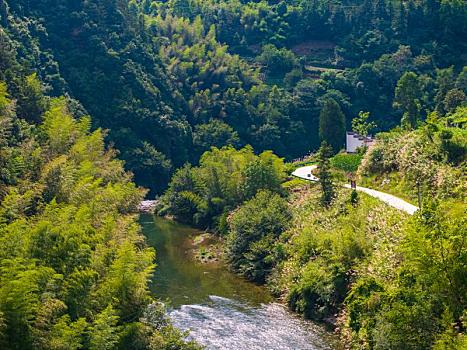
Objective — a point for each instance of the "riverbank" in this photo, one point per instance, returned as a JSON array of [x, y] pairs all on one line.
[[222, 310], [312, 240]]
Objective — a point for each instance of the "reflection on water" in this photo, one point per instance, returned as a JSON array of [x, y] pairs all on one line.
[[221, 310], [183, 280]]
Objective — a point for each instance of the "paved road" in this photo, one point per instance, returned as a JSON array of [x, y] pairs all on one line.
[[305, 172], [396, 202]]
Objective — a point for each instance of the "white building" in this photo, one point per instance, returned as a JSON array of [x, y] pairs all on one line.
[[354, 141]]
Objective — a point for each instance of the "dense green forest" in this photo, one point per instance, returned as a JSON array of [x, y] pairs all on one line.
[[170, 79], [74, 266], [209, 104]]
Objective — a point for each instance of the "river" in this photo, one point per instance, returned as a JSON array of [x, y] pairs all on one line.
[[220, 309]]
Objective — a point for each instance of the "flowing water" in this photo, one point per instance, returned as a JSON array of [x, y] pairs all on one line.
[[220, 309]]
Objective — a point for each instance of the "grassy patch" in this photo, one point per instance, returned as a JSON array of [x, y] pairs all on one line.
[[294, 183], [346, 162], [391, 183]]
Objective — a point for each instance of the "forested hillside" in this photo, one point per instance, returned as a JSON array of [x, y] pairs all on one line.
[[74, 267], [385, 279], [362, 30], [209, 104], [166, 80]]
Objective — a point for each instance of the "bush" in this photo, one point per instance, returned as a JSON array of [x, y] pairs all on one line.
[[424, 155], [293, 77], [419, 304], [354, 198], [319, 291], [277, 61], [254, 229]]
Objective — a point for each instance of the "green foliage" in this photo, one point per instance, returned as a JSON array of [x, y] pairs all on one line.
[[74, 268], [31, 103], [346, 162], [277, 61], [324, 174], [166, 81], [454, 98], [458, 118], [214, 134], [325, 248], [435, 251], [66, 334], [254, 228], [432, 155], [156, 73], [293, 77], [332, 125], [399, 282], [264, 173], [244, 24], [104, 332], [225, 178], [354, 198], [360, 124], [418, 306], [407, 97]]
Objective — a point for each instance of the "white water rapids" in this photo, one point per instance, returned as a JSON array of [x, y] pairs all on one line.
[[231, 325]]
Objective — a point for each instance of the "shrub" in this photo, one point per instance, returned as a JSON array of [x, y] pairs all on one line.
[[425, 155], [254, 228], [277, 61]]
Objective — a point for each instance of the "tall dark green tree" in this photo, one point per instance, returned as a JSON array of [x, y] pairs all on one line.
[[407, 98], [325, 177], [332, 125]]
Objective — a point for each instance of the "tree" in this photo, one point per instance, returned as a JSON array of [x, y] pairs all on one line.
[[31, 101], [430, 291], [360, 124], [253, 229], [461, 81], [332, 125], [5, 118], [183, 197], [445, 81], [293, 77], [277, 61], [104, 332], [264, 173], [182, 8], [214, 134], [73, 273], [435, 251], [453, 99], [67, 335], [407, 98], [325, 177], [152, 169]]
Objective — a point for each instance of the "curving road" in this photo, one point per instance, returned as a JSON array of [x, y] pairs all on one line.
[[395, 202]]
